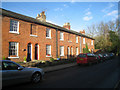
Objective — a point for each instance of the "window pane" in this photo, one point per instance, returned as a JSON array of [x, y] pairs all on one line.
[[13, 48], [48, 33], [14, 25], [48, 49]]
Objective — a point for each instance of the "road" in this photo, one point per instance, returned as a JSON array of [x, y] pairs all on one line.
[[102, 75]]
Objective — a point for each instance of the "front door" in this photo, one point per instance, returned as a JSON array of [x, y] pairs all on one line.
[[29, 52], [36, 51]]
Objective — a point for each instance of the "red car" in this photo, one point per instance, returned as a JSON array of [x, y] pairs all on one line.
[[87, 58]]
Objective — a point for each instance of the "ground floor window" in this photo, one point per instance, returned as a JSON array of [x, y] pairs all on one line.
[[61, 50], [48, 50], [76, 50], [13, 49]]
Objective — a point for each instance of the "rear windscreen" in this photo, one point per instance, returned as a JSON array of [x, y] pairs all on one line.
[[82, 55]]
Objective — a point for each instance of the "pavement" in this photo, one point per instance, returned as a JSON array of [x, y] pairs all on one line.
[[58, 67]]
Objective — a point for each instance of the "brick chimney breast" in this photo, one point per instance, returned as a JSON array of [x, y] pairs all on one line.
[[41, 16], [67, 26]]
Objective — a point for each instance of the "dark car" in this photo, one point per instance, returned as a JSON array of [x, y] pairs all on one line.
[[87, 58], [101, 57], [98, 57], [106, 56], [111, 55]]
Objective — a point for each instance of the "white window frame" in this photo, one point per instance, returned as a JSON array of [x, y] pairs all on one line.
[[76, 50], [61, 50], [49, 33], [68, 50], [17, 55], [71, 50], [49, 51], [83, 40], [15, 32], [61, 36], [91, 42], [76, 39]]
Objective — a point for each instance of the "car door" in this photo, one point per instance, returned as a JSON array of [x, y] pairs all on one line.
[[10, 73]]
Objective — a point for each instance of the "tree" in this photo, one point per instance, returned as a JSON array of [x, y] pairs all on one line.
[[106, 35]]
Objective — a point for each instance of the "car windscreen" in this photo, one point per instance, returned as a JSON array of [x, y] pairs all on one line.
[[82, 55]]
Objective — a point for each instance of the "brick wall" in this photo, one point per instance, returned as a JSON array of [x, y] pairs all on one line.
[[24, 37]]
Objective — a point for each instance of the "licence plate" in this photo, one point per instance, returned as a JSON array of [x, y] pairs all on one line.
[[80, 59]]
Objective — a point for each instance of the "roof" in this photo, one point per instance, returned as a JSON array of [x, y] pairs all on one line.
[[33, 20]]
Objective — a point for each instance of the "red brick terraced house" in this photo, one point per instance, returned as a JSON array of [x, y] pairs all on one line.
[[39, 40]]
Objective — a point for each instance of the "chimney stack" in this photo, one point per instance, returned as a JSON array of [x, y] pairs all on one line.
[[41, 16], [67, 26], [82, 32]]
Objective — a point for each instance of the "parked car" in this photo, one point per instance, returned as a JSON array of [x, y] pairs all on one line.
[[106, 56], [98, 58], [87, 58], [101, 57], [13, 73], [111, 55]]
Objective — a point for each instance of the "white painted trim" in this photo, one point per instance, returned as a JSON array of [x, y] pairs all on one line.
[[31, 51], [49, 33], [76, 39], [62, 34], [14, 32], [17, 49], [62, 50], [13, 57], [83, 40], [48, 37], [18, 27], [33, 35], [48, 56]]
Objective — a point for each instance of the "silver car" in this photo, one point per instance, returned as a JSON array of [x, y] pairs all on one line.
[[13, 73]]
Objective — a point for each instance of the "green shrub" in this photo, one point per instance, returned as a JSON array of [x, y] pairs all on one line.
[[51, 59], [25, 59], [86, 50], [4, 58]]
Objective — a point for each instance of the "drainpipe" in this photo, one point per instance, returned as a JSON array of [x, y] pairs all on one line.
[[56, 43]]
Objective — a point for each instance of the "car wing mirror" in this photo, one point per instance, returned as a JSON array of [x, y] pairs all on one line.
[[20, 68]]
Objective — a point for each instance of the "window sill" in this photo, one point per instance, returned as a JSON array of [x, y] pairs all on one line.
[[49, 56], [14, 32], [61, 55], [13, 57], [33, 35], [61, 39], [48, 37]]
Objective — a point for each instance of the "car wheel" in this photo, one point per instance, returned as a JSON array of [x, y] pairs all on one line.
[[36, 77]]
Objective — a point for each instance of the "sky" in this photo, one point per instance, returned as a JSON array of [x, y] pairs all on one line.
[[80, 15]]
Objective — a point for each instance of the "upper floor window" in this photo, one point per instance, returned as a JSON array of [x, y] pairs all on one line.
[[61, 36], [33, 31], [91, 42], [48, 33], [13, 49], [83, 40], [76, 39], [14, 26]]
